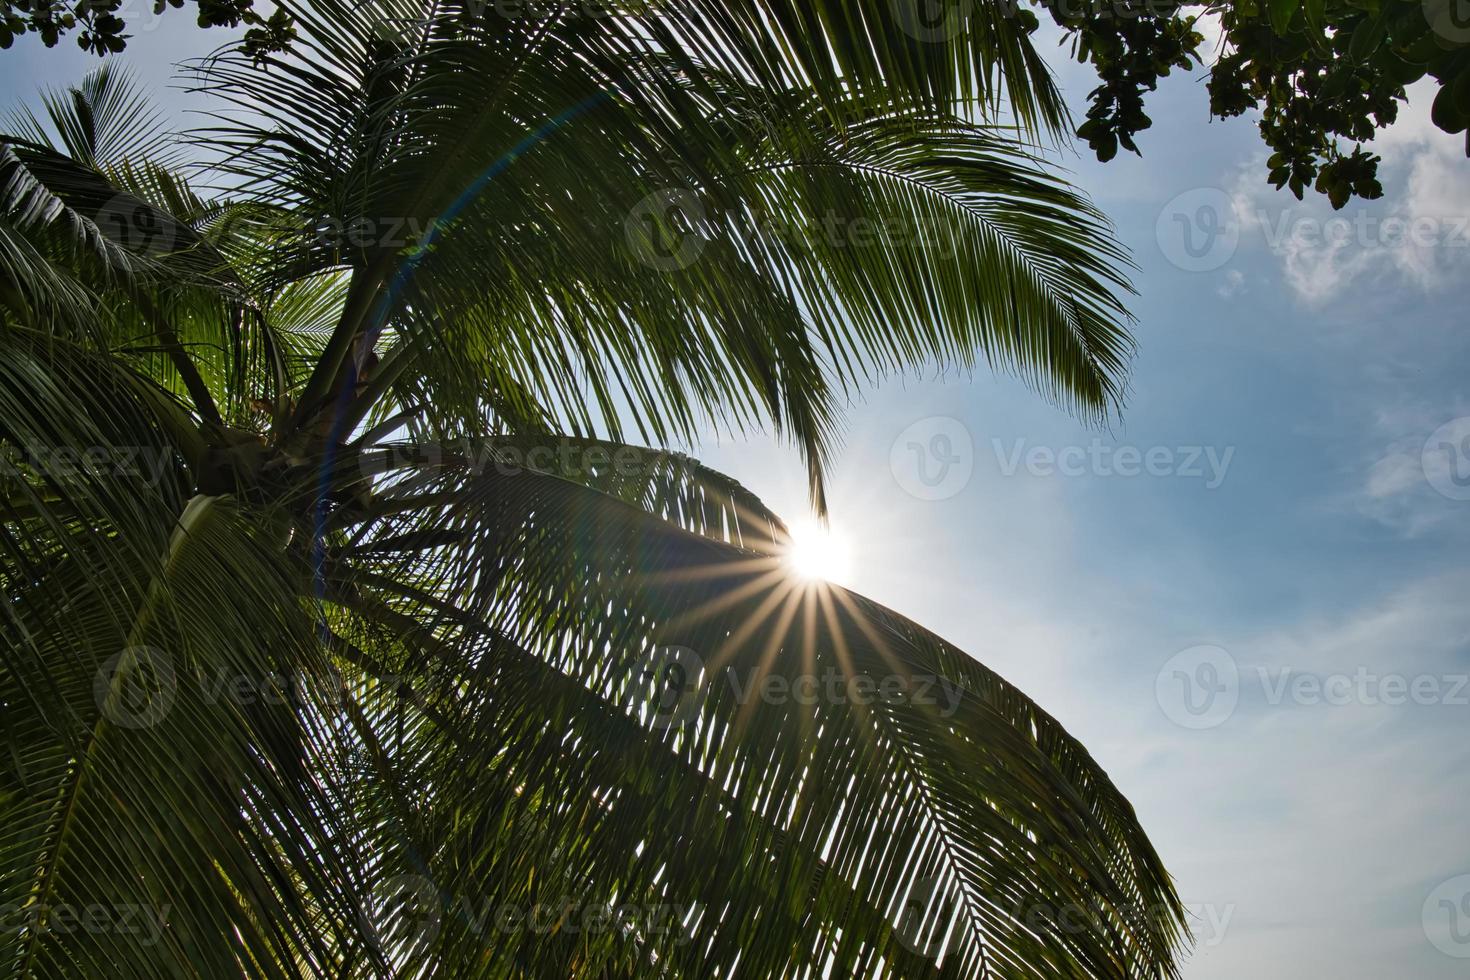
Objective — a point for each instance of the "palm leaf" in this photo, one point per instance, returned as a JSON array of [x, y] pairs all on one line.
[[505, 209], [347, 673], [799, 829], [133, 784]]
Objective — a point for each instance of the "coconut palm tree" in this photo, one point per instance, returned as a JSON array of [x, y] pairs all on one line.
[[350, 627]]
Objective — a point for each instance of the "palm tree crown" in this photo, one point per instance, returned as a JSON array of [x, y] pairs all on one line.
[[348, 631]]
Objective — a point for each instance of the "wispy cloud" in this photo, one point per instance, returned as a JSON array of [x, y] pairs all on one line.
[[1410, 484], [1324, 824], [1233, 284], [1417, 236]]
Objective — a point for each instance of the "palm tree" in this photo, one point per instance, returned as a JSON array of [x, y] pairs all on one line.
[[347, 633]]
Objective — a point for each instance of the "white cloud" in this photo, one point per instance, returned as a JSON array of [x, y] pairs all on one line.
[[1393, 474], [1323, 826], [1417, 235], [1402, 486], [1209, 26], [1233, 285]]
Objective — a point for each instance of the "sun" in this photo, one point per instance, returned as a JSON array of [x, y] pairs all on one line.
[[819, 553]]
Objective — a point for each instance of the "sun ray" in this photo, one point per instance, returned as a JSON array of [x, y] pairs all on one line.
[[819, 553]]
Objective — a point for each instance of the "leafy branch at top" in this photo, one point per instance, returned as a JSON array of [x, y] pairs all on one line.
[[102, 28], [1324, 75]]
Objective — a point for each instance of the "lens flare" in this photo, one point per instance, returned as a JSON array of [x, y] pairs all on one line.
[[819, 553]]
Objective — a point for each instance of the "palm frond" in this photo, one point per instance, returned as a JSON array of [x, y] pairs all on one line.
[[139, 786], [511, 179], [105, 121], [948, 827], [671, 486], [312, 654]]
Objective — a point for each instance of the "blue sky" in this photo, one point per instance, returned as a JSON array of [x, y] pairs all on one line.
[[1230, 645]]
